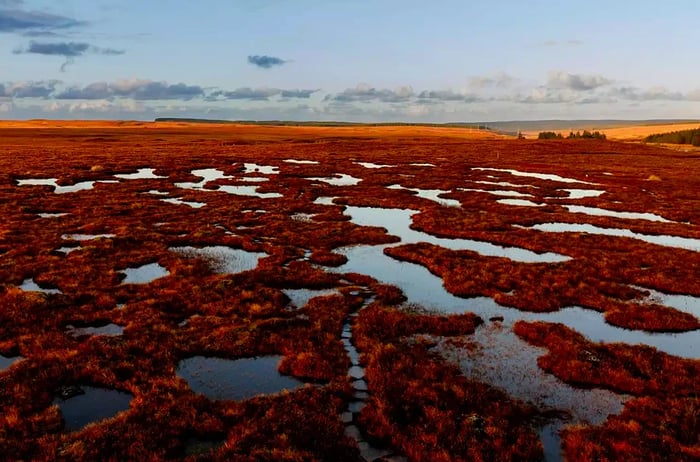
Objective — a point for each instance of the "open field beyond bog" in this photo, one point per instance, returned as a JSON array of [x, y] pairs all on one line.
[[235, 292], [621, 131]]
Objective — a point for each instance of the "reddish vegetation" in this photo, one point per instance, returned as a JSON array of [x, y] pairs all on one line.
[[428, 409], [544, 286], [388, 324], [663, 422], [418, 404], [647, 429], [633, 369], [651, 317]]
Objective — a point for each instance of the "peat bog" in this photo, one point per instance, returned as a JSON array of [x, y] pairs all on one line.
[[209, 293]]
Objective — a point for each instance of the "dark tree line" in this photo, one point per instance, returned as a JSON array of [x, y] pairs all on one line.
[[678, 137], [572, 136]]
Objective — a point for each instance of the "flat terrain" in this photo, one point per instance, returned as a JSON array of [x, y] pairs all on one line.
[[235, 292], [641, 132], [623, 132], [256, 132], [618, 131]]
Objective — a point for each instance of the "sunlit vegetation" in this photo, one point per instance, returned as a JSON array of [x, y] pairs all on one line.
[[424, 406], [677, 137], [662, 421], [418, 404], [667, 428], [544, 287]]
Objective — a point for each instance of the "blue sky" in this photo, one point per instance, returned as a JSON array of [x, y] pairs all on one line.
[[379, 60]]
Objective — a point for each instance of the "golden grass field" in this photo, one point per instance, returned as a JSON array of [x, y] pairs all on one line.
[[265, 131], [627, 133], [276, 132]]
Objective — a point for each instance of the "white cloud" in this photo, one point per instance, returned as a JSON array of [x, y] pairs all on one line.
[[499, 96], [366, 93], [578, 82], [500, 79], [447, 95], [694, 95], [101, 106], [650, 94], [544, 95], [417, 110]]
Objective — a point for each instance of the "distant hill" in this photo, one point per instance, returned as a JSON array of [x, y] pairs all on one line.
[[290, 123], [507, 127]]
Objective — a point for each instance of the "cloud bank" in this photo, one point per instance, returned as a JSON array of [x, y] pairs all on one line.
[[491, 97], [143, 90], [578, 82], [366, 93]]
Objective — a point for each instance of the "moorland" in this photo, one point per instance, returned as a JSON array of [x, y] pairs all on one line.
[[242, 292]]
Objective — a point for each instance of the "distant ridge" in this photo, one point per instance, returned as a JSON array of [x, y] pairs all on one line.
[[291, 123], [507, 127]]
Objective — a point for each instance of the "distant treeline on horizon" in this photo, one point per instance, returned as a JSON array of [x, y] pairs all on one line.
[[677, 137], [478, 126]]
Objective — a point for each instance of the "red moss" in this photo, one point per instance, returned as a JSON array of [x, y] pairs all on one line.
[[544, 287], [652, 318], [327, 258], [392, 323], [660, 425], [634, 369], [426, 408], [647, 429], [387, 294], [419, 405]]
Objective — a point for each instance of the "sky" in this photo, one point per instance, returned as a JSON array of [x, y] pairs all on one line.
[[350, 60]]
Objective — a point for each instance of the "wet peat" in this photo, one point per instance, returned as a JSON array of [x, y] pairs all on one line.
[[220, 280]]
